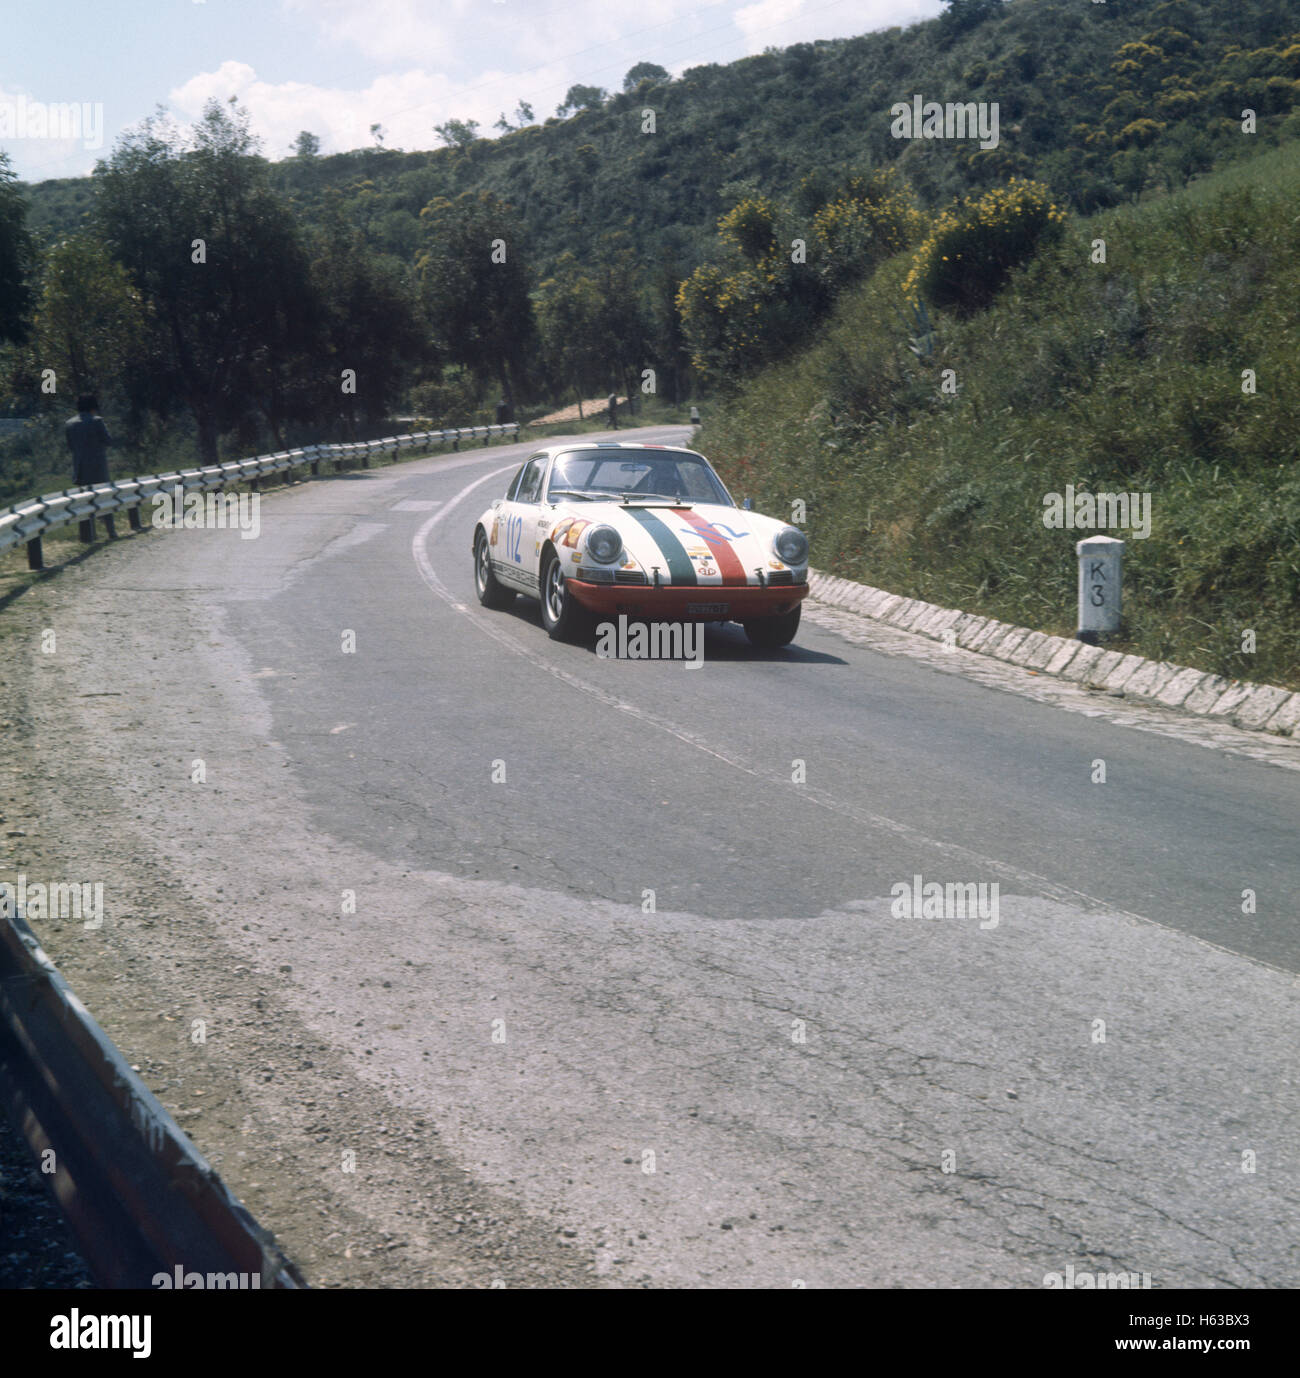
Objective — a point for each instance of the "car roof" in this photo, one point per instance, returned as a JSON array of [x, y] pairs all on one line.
[[552, 450]]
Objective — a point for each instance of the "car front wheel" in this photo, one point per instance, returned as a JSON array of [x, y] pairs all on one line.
[[767, 633], [564, 618]]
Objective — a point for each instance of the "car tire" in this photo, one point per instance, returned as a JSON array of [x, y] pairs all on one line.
[[767, 633], [492, 593], [564, 618]]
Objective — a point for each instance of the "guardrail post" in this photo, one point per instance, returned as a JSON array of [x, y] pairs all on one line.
[[86, 532], [1100, 587], [35, 556], [133, 517]]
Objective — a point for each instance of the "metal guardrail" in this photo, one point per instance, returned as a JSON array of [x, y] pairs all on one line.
[[26, 522], [140, 1198]]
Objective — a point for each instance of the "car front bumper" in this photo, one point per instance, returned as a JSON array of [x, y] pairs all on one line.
[[687, 603]]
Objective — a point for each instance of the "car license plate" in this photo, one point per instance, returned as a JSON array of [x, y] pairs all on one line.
[[707, 609]]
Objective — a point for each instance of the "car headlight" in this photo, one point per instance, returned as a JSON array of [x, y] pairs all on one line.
[[604, 544], [791, 545]]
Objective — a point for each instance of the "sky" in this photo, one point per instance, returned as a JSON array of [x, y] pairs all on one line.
[[335, 67]]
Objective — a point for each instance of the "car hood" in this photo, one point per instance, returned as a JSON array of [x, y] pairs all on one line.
[[689, 543]]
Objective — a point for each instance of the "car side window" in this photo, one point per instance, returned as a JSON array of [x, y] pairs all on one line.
[[514, 483], [530, 484]]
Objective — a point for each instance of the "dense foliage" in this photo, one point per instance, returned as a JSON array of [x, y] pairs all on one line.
[[1148, 350]]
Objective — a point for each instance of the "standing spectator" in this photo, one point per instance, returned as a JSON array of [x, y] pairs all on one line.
[[613, 410], [88, 439]]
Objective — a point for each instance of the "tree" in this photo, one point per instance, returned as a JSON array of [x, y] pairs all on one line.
[[568, 317], [377, 134], [17, 257], [643, 71], [523, 116], [90, 321], [668, 346], [966, 14], [371, 324], [219, 262], [457, 133], [582, 98], [475, 286], [622, 325], [306, 145]]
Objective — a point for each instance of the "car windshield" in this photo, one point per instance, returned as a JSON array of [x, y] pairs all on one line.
[[675, 475]]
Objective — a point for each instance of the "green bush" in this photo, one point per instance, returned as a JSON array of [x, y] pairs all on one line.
[[972, 247]]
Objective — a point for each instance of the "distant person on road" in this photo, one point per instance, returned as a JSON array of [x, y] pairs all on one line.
[[613, 411], [88, 439]]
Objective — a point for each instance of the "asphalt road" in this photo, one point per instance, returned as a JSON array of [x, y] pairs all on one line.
[[765, 1076]]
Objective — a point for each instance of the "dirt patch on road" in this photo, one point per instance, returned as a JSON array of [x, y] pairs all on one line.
[[360, 1191]]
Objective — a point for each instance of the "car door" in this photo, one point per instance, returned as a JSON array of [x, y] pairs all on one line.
[[521, 516], [497, 532]]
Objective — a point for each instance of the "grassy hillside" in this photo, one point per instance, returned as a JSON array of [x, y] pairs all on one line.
[[1122, 376]]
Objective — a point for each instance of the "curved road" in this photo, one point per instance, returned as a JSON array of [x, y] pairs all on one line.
[[624, 934]]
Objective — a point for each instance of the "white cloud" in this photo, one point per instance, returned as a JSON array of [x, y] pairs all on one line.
[[388, 30], [408, 104], [507, 33]]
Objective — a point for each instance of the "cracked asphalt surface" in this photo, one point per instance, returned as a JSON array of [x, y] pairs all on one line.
[[767, 1080]]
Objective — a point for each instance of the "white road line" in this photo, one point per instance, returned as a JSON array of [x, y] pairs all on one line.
[[1029, 880]]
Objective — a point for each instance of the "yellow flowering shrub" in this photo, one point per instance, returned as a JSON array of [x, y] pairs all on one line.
[[974, 244], [870, 219]]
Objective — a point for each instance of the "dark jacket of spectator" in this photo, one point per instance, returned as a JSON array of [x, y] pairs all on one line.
[[88, 439]]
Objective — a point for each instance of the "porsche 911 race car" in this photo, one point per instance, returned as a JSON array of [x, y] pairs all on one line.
[[601, 529]]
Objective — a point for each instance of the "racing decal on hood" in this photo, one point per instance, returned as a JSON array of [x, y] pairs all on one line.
[[733, 572], [681, 569]]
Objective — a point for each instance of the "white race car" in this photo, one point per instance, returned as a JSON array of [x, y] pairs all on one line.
[[643, 530]]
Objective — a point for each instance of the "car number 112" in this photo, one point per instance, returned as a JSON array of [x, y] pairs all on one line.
[[514, 530]]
